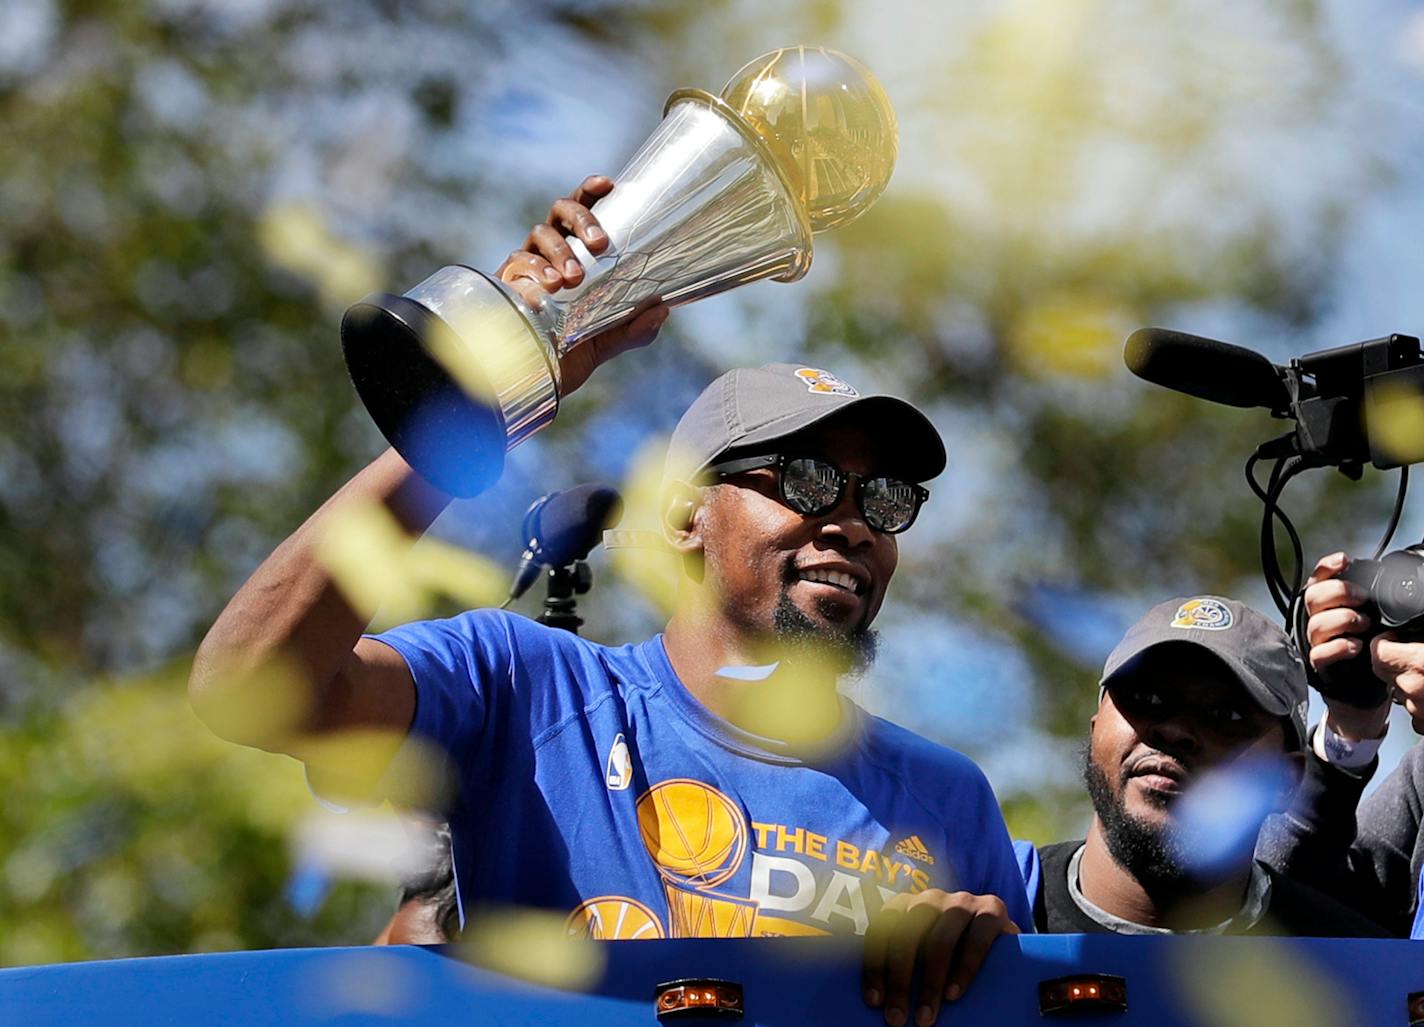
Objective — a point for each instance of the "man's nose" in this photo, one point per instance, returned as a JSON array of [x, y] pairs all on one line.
[[846, 520], [1177, 734]]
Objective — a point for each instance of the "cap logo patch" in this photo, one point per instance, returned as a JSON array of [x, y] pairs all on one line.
[[824, 383], [1207, 614]]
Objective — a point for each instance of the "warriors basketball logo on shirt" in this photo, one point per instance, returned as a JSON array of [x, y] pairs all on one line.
[[801, 882]]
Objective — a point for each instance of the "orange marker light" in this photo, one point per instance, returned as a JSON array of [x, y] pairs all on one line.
[[1082, 993], [698, 996]]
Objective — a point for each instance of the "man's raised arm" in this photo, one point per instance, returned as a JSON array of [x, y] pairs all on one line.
[[290, 616], [290, 613]]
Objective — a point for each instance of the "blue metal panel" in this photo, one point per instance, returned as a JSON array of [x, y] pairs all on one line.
[[1171, 981]]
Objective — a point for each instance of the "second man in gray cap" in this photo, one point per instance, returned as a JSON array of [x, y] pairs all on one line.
[[1203, 695]]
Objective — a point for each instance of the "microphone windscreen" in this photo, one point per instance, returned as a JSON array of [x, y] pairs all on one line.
[[1205, 368], [570, 523]]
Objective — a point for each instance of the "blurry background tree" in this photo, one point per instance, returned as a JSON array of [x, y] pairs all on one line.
[[192, 191]]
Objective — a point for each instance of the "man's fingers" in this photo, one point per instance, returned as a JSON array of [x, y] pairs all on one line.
[[1328, 567], [1400, 664], [1335, 623], [1333, 593], [937, 955], [900, 952], [1399, 657], [530, 291], [554, 248], [522, 264], [592, 188], [644, 328], [1336, 651], [986, 926], [576, 218], [877, 944]]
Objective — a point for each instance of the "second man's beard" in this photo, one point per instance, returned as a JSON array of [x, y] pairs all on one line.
[[848, 651], [1150, 854]]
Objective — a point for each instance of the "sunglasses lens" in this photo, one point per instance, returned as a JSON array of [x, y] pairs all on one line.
[[889, 504], [810, 486]]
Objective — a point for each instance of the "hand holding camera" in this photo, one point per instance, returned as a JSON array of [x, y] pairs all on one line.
[[1366, 638]]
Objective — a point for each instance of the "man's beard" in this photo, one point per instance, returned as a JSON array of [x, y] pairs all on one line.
[[847, 652], [1150, 854]]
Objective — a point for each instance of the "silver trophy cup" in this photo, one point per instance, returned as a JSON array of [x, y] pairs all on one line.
[[727, 190]]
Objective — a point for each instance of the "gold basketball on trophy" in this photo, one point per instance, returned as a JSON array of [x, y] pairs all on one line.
[[829, 124]]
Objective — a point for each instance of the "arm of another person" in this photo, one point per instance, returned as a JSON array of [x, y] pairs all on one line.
[[1389, 846], [291, 609], [1372, 861]]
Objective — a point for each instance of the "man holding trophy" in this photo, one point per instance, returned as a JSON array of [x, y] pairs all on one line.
[[638, 789]]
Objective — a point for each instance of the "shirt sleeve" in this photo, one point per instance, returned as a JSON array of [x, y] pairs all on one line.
[[457, 664], [993, 865], [1003, 870], [1030, 868], [1311, 841]]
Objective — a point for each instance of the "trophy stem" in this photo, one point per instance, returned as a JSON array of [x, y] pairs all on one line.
[[702, 207], [455, 373]]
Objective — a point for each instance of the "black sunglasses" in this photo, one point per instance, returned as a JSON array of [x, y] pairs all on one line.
[[811, 486]]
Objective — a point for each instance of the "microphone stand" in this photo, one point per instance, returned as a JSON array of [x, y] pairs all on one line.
[[560, 606]]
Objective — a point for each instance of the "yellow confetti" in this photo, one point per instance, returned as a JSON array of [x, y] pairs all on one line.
[[296, 237], [1394, 417], [369, 984], [364, 549], [1071, 335], [490, 346], [1265, 984], [641, 556], [363, 767], [791, 697], [534, 945], [382, 571], [253, 705]]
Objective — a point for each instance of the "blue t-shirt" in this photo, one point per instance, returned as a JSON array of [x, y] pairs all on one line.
[[1030, 869], [593, 783]]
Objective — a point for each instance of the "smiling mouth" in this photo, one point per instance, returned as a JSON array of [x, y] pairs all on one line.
[[836, 579]]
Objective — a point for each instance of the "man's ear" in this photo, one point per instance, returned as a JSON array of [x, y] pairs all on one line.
[[681, 504]]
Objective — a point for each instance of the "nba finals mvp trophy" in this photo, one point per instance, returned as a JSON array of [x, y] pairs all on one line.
[[727, 190]]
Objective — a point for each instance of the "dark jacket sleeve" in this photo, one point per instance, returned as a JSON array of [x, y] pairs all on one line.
[[1369, 861], [1311, 841], [1388, 848]]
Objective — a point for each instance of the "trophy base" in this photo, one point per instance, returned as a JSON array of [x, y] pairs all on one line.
[[454, 373]]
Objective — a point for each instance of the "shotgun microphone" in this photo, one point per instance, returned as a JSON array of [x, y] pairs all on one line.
[[1207, 369]]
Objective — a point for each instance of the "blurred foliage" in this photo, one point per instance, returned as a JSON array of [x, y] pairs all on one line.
[[192, 191], [129, 829]]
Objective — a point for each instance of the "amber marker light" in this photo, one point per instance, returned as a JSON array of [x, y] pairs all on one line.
[[698, 996], [1086, 993]]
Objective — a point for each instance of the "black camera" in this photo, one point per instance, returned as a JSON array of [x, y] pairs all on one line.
[[1395, 583], [1343, 401]]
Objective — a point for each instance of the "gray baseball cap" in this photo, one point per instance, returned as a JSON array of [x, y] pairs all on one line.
[[1264, 660], [751, 407]]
